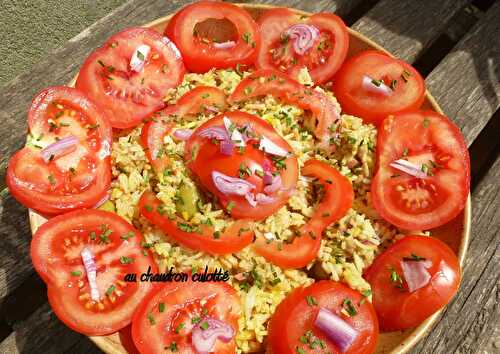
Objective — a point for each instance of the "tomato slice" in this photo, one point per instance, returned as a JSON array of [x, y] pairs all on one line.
[[72, 178], [337, 199], [201, 237], [56, 254], [128, 96], [292, 328], [200, 99], [396, 307], [201, 53], [264, 82], [165, 320], [325, 55], [205, 158], [433, 143], [404, 87]]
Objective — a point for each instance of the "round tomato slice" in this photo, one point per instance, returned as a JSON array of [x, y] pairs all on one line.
[[292, 328], [324, 113], [200, 99], [66, 163], [336, 195], [283, 46], [167, 317], [130, 74], [197, 237], [372, 85], [56, 252], [248, 163], [201, 53], [433, 144], [436, 271]]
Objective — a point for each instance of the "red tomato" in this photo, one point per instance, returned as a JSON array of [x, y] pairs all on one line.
[[264, 82], [79, 177], [202, 237], [201, 54], [432, 141], [396, 307], [128, 96], [405, 86], [336, 201], [167, 317], [325, 55], [292, 323], [204, 158], [56, 254], [200, 99]]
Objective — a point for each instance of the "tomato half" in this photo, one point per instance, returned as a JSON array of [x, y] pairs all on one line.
[[56, 254], [396, 307], [165, 320], [405, 88], [336, 196], [197, 237], [204, 158], [200, 99], [324, 114], [432, 142], [323, 55], [292, 328], [201, 53], [72, 178], [127, 96]]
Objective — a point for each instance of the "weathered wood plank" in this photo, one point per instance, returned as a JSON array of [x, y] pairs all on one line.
[[340, 7], [407, 27]]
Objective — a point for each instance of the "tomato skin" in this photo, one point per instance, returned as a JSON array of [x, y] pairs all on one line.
[[55, 253], [408, 94], [28, 176], [426, 136], [321, 67], [335, 203], [398, 309], [200, 56], [182, 303], [128, 97], [294, 316], [237, 236]]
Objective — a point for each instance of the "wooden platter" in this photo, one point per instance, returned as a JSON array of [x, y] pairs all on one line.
[[456, 233]]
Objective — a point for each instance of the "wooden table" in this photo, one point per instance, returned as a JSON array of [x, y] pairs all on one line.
[[453, 43]]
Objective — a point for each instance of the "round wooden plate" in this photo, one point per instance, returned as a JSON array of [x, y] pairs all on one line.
[[455, 233]]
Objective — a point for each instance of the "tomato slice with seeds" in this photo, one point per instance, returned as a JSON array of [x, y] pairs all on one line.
[[128, 96], [404, 87], [116, 245], [323, 55], [166, 318], [292, 329], [201, 53], [336, 197], [197, 237], [433, 143], [204, 157], [398, 308], [67, 178]]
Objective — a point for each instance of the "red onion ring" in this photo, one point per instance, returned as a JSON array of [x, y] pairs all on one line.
[[274, 186], [226, 147], [336, 329], [409, 168], [224, 45], [88, 259], [204, 340], [183, 134], [369, 85], [416, 274], [251, 199], [303, 37], [269, 147], [230, 185], [264, 199], [216, 132], [59, 148]]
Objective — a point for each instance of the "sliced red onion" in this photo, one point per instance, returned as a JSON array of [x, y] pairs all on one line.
[[274, 186], [416, 274], [224, 45], [226, 147], [269, 147], [216, 132], [251, 199], [59, 148], [236, 136], [268, 178], [303, 37], [139, 57], [183, 134], [336, 329], [204, 340], [264, 199], [88, 259], [370, 85], [230, 185], [409, 167]]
